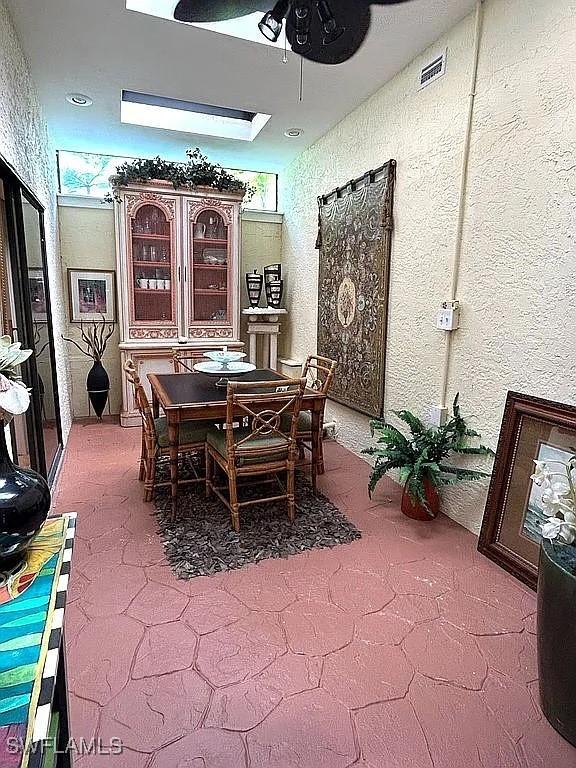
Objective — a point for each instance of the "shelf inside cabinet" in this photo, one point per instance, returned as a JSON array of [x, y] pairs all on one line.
[[210, 292], [210, 241], [163, 264], [138, 236], [197, 265], [157, 291]]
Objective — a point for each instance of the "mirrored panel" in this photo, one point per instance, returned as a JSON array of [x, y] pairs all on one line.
[[39, 298]]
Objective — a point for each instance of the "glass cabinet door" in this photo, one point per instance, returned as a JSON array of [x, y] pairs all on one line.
[[210, 283], [153, 267]]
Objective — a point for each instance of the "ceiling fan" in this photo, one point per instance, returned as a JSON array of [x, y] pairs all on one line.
[[324, 31]]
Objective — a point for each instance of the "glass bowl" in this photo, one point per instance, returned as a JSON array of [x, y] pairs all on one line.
[[224, 357]]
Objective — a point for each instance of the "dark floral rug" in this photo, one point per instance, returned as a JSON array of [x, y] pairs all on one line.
[[201, 541]]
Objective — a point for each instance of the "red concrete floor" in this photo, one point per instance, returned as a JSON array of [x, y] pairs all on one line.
[[405, 649]]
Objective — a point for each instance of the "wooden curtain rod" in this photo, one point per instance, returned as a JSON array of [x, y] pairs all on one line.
[[367, 178]]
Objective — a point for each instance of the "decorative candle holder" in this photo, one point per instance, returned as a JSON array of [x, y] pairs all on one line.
[[274, 292], [254, 282]]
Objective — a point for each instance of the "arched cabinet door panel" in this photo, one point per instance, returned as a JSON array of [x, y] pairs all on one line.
[[153, 283], [210, 282]]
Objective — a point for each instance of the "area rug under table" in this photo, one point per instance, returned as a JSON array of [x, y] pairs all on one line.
[[201, 541]]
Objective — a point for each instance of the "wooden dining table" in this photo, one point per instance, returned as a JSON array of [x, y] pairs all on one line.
[[195, 396]]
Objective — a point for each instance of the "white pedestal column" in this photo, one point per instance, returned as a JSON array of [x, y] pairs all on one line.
[[264, 322], [253, 347], [273, 343]]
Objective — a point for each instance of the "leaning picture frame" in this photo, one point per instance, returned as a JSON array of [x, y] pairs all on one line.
[[532, 429], [92, 295]]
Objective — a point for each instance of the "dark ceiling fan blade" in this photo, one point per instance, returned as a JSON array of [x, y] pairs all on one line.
[[199, 11], [352, 17]]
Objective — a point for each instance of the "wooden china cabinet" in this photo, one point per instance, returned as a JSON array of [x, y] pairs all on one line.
[[178, 257]]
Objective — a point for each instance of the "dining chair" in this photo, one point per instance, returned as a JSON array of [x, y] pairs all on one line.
[[155, 437], [267, 446], [319, 373], [184, 361]]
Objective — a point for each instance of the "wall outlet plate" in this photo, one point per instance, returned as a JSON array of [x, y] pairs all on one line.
[[448, 318], [438, 415]]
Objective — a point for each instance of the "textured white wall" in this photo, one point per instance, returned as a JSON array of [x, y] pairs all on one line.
[[517, 319], [25, 145], [518, 279]]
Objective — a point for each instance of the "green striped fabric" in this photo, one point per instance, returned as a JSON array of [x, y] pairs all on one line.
[[22, 624]]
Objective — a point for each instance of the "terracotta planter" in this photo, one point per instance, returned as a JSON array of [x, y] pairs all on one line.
[[557, 637], [413, 509]]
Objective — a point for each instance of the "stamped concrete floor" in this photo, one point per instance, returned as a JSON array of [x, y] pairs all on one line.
[[406, 648]]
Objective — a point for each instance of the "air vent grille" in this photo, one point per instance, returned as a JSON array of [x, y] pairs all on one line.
[[433, 70]]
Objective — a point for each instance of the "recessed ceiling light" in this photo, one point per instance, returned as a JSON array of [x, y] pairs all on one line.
[[79, 99], [293, 133]]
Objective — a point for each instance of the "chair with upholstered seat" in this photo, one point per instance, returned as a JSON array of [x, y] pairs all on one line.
[[267, 446], [155, 437], [319, 373]]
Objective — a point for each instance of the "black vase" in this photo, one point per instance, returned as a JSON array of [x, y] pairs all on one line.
[[557, 637], [274, 292], [98, 386], [254, 287], [24, 506]]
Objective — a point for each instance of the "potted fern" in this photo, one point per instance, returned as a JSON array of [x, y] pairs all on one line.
[[419, 458]]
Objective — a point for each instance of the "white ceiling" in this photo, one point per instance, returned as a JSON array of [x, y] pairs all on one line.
[[97, 47]]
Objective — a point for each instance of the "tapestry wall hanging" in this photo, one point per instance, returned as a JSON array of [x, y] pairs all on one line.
[[354, 240]]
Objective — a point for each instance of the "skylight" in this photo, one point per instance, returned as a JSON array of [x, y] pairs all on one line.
[[244, 27], [190, 117]]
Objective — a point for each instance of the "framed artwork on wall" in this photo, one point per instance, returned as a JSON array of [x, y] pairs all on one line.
[[354, 240], [532, 429], [37, 294], [92, 295]]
